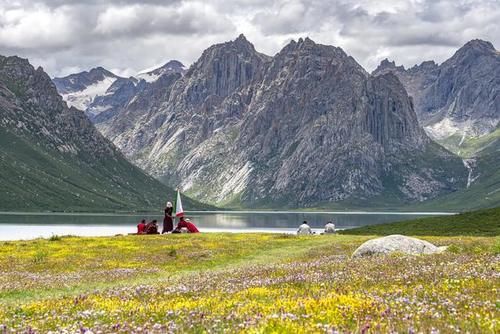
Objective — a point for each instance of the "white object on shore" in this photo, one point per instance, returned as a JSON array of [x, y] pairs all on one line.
[[397, 243]]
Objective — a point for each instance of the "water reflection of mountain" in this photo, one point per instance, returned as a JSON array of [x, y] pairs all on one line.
[[229, 220]]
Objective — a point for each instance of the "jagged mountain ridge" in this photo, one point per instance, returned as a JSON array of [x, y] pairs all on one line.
[[101, 93], [306, 126], [53, 158], [458, 99], [173, 66]]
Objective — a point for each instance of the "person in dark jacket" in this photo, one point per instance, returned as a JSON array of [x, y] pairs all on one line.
[[152, 227], [141, 227], [185, 223], [168, 221]]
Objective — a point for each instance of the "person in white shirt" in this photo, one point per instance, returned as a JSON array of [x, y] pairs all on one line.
[[304, 229], [330, 227]]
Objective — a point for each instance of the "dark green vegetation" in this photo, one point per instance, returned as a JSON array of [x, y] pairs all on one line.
[[476, 223], [34, 178]]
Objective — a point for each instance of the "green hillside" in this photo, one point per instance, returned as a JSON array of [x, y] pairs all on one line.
[[476, 223], [484, 191], [34, 178], [471, 146]]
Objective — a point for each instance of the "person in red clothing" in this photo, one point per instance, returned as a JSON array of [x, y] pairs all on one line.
[[141, 227], [152, 227], [185, 223]]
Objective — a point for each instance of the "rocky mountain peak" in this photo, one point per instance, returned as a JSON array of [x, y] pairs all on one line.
[[80, 81], [100, 71], [307, 47], [472, 50], [479, 44], [172, 66], [240, 45], [387, 66], [93, 75], [29, 83], [242, 40], [428, 65], [43, 112], [223, 68]]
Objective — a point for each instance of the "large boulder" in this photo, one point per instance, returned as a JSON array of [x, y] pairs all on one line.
[[396, 243]]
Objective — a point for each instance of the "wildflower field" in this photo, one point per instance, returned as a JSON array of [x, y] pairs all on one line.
[[254, 283]]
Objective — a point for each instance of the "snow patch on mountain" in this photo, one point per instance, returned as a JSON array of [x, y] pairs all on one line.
[[148, 77], [153, 74], [444, 128], [470, 128], [82, 99]]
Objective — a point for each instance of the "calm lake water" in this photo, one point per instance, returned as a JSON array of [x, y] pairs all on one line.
[[16, 226]]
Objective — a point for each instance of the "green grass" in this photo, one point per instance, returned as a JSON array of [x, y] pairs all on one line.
[[471, 146], [476, 223], [252, 283]]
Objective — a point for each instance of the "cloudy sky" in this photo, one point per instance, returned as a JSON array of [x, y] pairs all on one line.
[[126, 36]]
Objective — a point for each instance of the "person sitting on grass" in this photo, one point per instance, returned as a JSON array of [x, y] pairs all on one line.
[[185, 224], [141, 227], [330, 228], [304, 228], [152, 227]]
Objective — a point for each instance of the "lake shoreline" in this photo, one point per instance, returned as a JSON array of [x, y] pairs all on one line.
[[425, 213]]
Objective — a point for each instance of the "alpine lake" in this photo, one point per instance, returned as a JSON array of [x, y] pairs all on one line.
[[27, 225]]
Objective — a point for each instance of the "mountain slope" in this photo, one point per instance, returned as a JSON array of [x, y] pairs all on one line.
[[306, 126], [483, 185], [52, 157], [459, 100]]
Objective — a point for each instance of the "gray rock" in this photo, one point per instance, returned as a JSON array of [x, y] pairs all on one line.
[[306, 126], [461, 96], [396, 243]]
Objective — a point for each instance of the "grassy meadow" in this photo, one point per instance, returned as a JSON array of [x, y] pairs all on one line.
[[252, 283], [485, 223]]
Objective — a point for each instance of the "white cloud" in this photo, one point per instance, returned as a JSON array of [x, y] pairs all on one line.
[[129, 35], [36, 27]]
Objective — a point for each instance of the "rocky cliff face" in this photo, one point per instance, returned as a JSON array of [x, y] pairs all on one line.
[[306, 126], [53, 158], [458, 99]]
